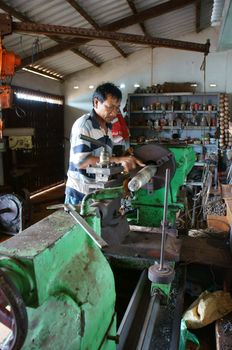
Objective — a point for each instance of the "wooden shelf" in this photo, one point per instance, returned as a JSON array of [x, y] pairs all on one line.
[[159, 128], [171, 111]]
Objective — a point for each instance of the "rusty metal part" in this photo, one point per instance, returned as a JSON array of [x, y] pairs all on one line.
[[160, 156], [164, 276], [85, 33], [6, 24]]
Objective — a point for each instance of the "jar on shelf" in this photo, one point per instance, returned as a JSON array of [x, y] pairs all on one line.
[[203, 121], [163, 122], [213, 121]]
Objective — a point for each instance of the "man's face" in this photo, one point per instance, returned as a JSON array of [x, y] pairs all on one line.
[[108, 109]]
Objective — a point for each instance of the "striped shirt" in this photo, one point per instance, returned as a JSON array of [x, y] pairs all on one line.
[[80, 150]]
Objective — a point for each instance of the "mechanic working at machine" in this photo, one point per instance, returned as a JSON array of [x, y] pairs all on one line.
[[97, 125]]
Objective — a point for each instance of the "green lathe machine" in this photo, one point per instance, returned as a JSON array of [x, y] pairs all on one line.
[[60, 286]]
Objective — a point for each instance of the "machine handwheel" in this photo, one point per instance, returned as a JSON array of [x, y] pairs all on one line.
[[13, 315]]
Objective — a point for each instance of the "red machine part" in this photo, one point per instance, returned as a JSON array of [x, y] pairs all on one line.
[[8, 62]]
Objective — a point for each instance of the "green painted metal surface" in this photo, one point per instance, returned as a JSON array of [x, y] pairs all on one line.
[[150, 206], [101, 194], [74, 286]]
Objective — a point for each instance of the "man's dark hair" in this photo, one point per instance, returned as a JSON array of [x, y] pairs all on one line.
[[102, 91]]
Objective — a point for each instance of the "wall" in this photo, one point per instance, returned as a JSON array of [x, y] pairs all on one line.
[[35, 82], [147, 67]]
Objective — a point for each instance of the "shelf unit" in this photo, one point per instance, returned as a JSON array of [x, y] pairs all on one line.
[[191, 118], [161, 115]]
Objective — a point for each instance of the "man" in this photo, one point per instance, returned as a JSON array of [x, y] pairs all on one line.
[[97, 124]]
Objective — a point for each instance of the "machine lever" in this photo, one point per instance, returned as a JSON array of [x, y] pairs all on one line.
[[163, 273], [90, 139], [164, 222], [90, 232]]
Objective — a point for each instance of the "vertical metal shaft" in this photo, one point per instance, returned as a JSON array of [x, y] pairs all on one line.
[[164, 223]]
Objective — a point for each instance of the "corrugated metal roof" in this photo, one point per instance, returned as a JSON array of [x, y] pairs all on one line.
[[217, 11], [106, 11], [171, 25]]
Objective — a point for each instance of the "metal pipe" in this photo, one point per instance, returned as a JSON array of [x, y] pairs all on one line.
[[90, 232], [164, 222], [142, 177]]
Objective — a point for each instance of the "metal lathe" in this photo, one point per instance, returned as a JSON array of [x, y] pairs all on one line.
[[63, 280]]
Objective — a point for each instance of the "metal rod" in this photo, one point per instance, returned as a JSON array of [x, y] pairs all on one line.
[[149, 323], [164, 223], [132, 308], [136, 228], [90, 232], [90, 139]]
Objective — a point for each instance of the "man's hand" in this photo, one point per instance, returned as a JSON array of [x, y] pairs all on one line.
[[128, 162]]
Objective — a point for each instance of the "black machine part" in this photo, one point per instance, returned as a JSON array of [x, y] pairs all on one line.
[[13, 314], [160, 156], [10, 214]]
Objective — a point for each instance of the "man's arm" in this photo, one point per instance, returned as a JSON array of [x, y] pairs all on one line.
[[128, 162]]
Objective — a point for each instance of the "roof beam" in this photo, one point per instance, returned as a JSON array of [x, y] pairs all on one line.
[[90, 20], [51, 51], [11, 11], [57, 49], [198, 15], [47, 29], [134, 10], [147, 14]]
